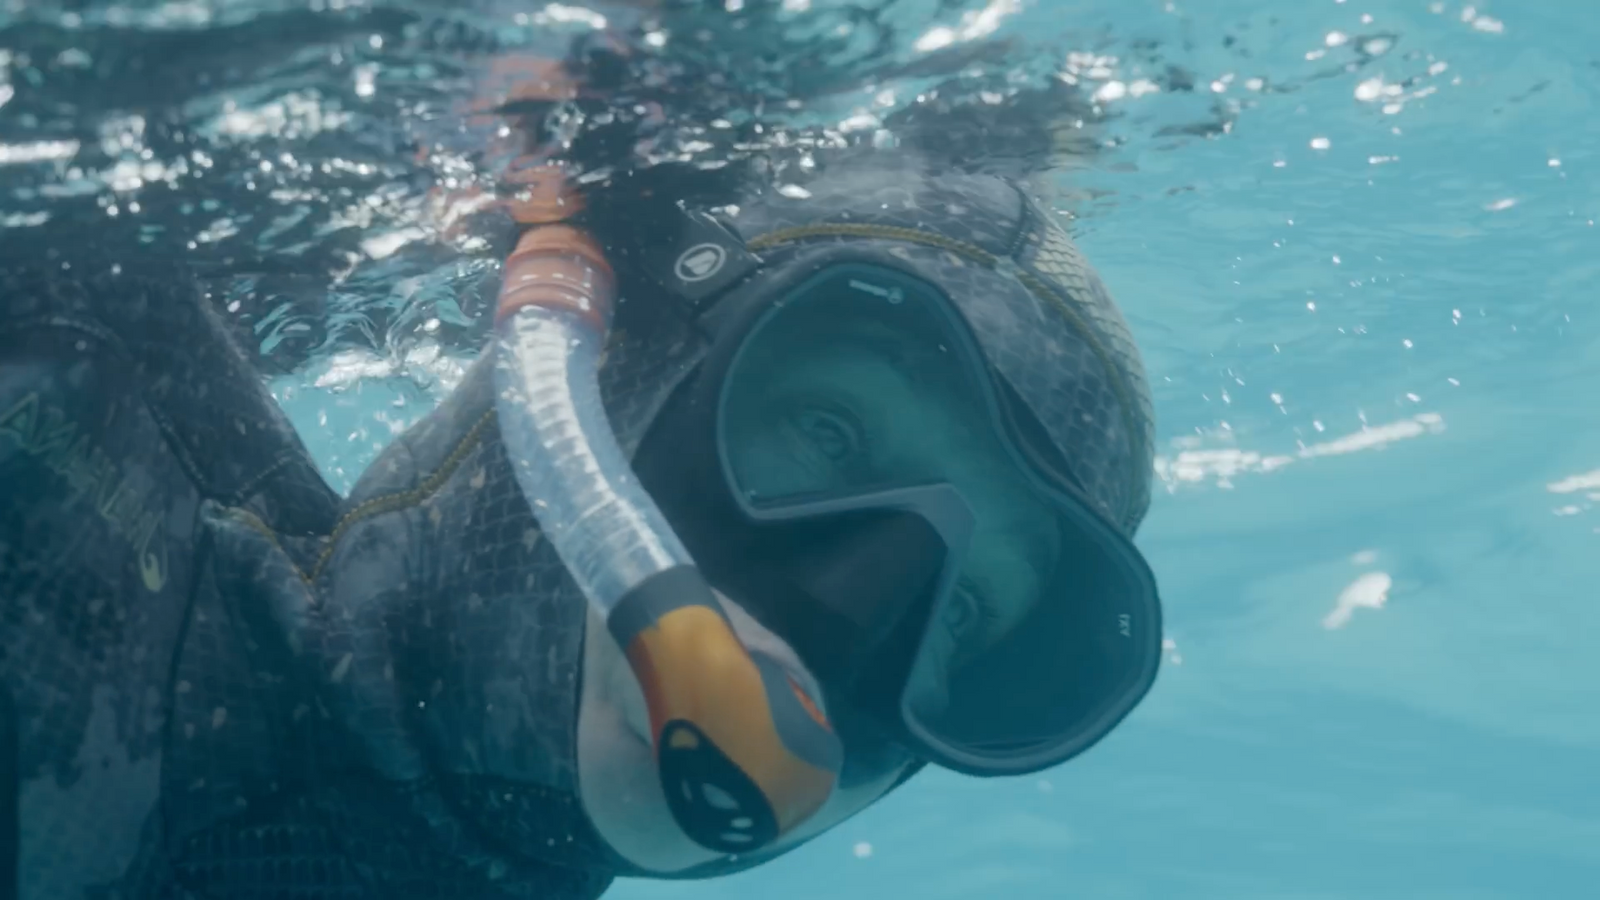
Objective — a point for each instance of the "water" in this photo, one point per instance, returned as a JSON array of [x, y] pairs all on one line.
[[1360, 286]]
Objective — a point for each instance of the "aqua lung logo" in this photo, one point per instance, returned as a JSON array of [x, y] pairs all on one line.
[[891, 294], [700, 262], [46, 434]]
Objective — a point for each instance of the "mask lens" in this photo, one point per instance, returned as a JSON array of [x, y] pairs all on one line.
[[863, 388]]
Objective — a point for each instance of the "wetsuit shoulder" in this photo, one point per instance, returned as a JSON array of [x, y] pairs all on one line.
[[457, 638], [156, 335], [126, 410]]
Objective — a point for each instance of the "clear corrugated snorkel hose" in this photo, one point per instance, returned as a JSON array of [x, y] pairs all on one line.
[[555, 309], [744, 754]]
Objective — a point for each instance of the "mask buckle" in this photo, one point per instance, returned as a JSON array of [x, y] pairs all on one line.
[[701, 261]]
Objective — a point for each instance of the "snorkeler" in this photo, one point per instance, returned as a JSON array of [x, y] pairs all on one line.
[[893, 438], [752, 508]]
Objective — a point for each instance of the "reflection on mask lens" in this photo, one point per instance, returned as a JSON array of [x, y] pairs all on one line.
[[863, 381]]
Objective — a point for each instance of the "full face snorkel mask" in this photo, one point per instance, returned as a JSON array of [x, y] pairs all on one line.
[[853, 575], [860, 567]]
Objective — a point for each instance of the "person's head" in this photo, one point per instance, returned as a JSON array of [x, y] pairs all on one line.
[[895, 421], [916, 448]]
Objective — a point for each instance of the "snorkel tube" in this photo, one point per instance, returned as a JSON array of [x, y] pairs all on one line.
[[743, 753]]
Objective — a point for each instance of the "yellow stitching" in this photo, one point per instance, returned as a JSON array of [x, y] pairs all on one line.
[[255, 524], [285, 459], [392, 502], [1038, 287], [891, 232]]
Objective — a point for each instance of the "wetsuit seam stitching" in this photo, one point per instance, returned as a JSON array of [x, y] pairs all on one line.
[[250, 485], [180, 451], [400, 500], [1119, 385], [1019, 235], [254, 523]]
